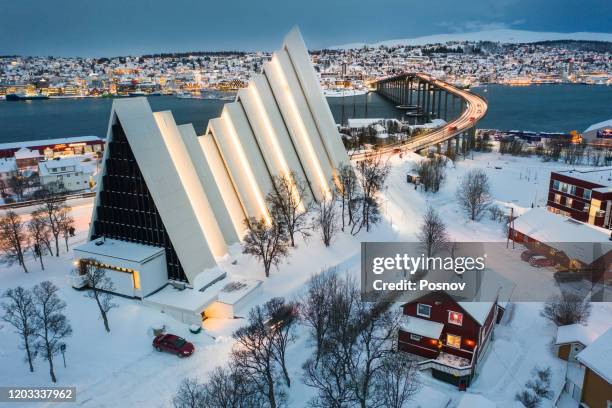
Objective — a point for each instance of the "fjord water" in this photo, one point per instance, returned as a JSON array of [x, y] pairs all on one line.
[[558, 108]]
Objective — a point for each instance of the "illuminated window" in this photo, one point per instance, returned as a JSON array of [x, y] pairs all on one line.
[[556, 184], [423, 310], [136, 277], [453, 341], [557, 198], [415, 337], [455, 318]]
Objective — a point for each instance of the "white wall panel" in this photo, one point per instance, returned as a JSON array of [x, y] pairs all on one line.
[[298, 119], [190, 181], [223, 180], [270, 131], [237, 165], [294, 45], [206, 178]]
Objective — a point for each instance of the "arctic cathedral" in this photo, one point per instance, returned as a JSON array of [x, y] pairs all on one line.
[[169, 201]]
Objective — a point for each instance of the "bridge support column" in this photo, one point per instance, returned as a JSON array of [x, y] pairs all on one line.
[[456, 144], [446, 106], [439, 148]]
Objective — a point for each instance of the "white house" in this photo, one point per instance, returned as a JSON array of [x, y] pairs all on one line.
[[67, 172]]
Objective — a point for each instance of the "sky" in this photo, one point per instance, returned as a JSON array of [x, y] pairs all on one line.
[[133, 27]]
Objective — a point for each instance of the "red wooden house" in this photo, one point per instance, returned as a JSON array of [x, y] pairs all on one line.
[[450, 337]]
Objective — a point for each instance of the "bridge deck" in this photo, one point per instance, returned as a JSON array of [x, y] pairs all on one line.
[[475, 109]]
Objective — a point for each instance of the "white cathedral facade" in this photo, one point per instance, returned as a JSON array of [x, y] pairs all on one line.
[[170, 202]]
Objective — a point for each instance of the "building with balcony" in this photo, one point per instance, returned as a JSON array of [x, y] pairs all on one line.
[[584, 195], [449, 337]]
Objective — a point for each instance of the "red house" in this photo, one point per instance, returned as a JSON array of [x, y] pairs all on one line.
[[449, 337]]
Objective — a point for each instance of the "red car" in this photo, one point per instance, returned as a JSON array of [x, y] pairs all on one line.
[[540, 261], [173, 344]]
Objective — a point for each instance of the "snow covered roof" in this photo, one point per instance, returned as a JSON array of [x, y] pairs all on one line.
[[475, 401], [61, 162], [576, 333], [598, 356], [599, 125], [478, 310], [421, 327], [602, 176], [577, 240], [7, 165], [124, 250], [25, 153]]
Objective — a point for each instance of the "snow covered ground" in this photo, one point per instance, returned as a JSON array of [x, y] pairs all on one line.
[[122, 369]]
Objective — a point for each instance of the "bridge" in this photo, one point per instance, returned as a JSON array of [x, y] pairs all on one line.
[[429, 97]]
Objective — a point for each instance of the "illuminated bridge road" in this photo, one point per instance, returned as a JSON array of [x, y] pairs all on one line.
[[430, 96]]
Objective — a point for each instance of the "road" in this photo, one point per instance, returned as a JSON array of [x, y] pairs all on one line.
[[476, 108]]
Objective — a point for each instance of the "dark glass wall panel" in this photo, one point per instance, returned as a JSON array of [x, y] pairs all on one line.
[[126, 209]]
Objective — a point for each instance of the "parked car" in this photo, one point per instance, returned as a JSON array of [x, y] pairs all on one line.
[[527, 255], [540, 261], [173, 344]]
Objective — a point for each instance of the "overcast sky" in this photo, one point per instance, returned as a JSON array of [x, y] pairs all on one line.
[[122, 27]]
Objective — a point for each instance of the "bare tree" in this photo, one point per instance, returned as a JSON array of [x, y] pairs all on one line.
[[536, 389], [397, 380], [100, 288], [540, 384], [14, 240], [315, 308], [56, 210], [432, 234], [528, 399], [281, 317], [474, 193], [327, 219], [358, 337], [288, 207], [40, 235], [47, 237], [566, 308], [52, 324], [268, 242], [373, 172], [66, 223], [18, 311], [190, 394], [330, 379], [254, 356], [347, 189], [18, 184], [230, 388], [226, 387], [376, 326], [431, 172]]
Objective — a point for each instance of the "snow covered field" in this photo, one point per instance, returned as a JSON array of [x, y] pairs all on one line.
[[122, 369]]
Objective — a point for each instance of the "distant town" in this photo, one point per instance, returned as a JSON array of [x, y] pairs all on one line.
[[216, 75]]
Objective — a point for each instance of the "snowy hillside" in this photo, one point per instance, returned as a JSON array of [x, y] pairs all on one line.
[[500, 35]]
